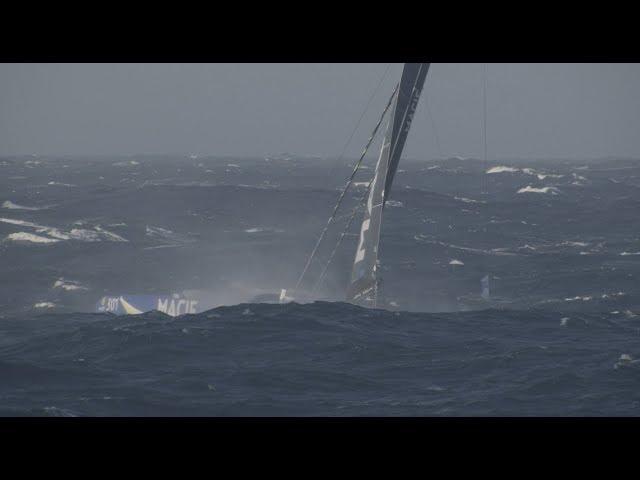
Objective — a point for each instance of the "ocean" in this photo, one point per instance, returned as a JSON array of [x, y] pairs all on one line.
[[557, 240]]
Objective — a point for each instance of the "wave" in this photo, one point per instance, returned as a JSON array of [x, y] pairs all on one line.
[[130, 163], [44, 305], [263, 230], [530, 189], [96, 234], [68, 285], [60, 184], [29, 238], [322, 358], [9, 205], [502, 169], [527, 171]]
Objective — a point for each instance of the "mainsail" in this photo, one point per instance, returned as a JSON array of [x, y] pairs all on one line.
[[363, 276]]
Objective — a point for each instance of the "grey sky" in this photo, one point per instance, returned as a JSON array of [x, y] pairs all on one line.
[[534, 110]]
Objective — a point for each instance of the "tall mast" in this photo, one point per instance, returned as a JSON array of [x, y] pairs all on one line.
[[363, 277]]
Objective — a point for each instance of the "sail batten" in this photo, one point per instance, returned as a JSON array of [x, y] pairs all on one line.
[[363, 277]]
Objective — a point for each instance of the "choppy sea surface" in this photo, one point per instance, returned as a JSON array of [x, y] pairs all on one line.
[[558, 239]]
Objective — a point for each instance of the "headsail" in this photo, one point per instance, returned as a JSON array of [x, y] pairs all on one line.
[[363, 276]]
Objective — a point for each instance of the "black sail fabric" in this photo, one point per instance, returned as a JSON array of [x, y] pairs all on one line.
[[363, 276]]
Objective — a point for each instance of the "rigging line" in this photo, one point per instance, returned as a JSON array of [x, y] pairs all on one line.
[[392, 151], [484, 126], [342, 235], [344, 191], [366, 108]]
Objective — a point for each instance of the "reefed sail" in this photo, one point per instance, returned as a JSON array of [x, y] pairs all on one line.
[[363, 277]]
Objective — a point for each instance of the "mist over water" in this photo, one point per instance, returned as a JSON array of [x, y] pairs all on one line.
[[557, 238]]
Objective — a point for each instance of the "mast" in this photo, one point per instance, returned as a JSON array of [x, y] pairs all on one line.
[[346, 187], [364, 281]]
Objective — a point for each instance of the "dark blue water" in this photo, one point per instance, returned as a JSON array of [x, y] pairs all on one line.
[[560, 336], [320, 359]]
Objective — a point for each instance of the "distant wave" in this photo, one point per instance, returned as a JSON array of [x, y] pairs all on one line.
[[60, 184], [503, 169], [44, 305], [530, 189], [8, 204], [126, 163], [527, 171], [263, 230], [29, 237], [68, 285], [97, 234]]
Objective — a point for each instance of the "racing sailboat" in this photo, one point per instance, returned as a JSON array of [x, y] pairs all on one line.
[[364, 282], [364, 279]]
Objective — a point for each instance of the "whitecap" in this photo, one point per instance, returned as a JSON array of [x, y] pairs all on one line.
[[55, 233], [19, 222], [59, 412], [29, 237], [422, 238], [68, 285], [530, 189], [8, 204], [95, 235], [113, 237], [468, 200], [126, 164], [436, 388], [573, 299], [84, 235], [158, 231], [59, 184], [456, 262], [44, 305], [573, 244], [503, 169], [162, 246]]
